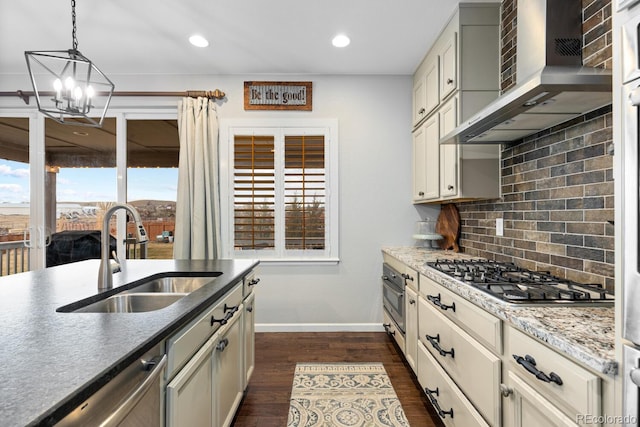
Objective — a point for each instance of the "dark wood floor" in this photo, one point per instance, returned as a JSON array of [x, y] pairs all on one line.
[[266, 403]]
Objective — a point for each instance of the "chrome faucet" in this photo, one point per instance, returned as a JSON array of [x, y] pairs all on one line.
[[105, 275]]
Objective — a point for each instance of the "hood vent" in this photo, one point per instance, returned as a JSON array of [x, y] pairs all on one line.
[[551, 86]]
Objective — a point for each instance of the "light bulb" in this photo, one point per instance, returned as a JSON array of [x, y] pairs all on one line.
[[57, 85], [69, 83], [77, 93], [90, 92]]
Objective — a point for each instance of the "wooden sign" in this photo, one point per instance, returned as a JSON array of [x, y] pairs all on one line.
[[277, 96]]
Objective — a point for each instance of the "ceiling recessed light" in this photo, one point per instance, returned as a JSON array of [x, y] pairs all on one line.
[[341, 40], [198, 41]]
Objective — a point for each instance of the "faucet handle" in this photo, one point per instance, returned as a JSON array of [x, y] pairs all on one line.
[[116, 266]]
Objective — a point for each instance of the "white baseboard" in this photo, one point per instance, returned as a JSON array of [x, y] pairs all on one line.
[[319, 327]]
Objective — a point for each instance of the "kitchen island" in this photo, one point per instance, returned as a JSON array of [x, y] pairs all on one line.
[[52, 361]]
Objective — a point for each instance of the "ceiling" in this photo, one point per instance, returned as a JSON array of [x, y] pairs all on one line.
[[133, 37], [246, 36]]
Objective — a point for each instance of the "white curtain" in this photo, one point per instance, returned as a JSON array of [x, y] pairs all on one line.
[[197, 232]]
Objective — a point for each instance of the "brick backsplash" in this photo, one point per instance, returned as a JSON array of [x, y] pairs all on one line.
[[557, 185]]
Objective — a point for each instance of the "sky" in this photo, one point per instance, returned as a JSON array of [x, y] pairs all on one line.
[[90, 184]]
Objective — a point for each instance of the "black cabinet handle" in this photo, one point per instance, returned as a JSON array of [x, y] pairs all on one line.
[[421, 111], [407, 277], [435, 343], [435, 299], [421, 193], [254, 282], [250, 308], [222, 344], [449, 81], [412, 301], [222, 321], [529, 363], [387, 328], [431, 395], [450, 187], [232, 308]]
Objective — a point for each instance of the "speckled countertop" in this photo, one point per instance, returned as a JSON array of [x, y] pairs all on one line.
[[584, 334], [50, 362]]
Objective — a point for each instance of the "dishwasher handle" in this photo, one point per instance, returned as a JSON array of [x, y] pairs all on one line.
[[155, 368]]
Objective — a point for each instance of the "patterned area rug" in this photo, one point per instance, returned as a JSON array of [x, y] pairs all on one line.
[[339, 394]]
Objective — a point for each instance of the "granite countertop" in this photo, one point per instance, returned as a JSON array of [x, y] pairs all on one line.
[[50, 362], [585, 334]]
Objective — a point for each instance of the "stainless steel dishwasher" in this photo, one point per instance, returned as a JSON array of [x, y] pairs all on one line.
[[132, 398]]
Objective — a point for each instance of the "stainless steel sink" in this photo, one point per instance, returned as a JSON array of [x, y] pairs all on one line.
[[149, 294], [132, 303], [181, 285]]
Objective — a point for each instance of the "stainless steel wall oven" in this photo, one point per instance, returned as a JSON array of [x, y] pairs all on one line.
[[393, 296]]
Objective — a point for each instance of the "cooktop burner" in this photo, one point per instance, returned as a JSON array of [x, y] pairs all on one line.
[[517, 285]]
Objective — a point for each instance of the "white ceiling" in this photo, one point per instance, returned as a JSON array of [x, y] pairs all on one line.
[[246, 36]]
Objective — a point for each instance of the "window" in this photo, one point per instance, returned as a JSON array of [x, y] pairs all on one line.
[[280, 204]]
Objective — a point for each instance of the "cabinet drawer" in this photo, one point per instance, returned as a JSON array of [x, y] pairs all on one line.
[[392, 329], [188, 340], [580, 389], [448, 396], [472, 367], [483, 326]]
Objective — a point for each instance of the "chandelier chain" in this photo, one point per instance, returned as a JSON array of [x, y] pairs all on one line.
[[73, 21]]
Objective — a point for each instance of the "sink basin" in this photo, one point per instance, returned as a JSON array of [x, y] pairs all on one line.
[[150, 294], [132, 303], [181, 285]]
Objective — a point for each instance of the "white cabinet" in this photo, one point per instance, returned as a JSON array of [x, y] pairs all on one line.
[[249, 337], [411, 328], [228, 374], [210, 361], [546, 385], [448, 66], [528, 408], [426, 170], [189, 394], [458, 76]]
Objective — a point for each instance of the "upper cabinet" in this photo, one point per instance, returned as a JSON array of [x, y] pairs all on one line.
[[458, 76]]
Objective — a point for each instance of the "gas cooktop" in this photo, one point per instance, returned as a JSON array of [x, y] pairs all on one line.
[[513, 284]]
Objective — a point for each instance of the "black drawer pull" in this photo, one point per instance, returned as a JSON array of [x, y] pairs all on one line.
[[387, 328], [232, 308], [435, 343], [436, 300], [436, 405], [529, 363], [407, 277], [253, 282], [222, 321]]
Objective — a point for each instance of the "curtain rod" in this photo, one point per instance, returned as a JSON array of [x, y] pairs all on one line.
[[212, 94]]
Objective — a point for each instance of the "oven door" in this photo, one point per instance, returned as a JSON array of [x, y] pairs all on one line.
[[393, 301]]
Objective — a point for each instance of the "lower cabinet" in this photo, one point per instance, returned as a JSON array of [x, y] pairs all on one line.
[[528, 408], [210, 361], [249, 326], [447, 399], [228, 371], [189, 394], [411, 326]]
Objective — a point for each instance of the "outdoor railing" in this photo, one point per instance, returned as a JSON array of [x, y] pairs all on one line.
[[14, 257]]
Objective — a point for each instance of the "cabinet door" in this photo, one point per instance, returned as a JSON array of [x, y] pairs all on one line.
[[419, 99], [249, 325], [426, 161], [411, 328], [228, 374], [432, 86], [189, 394], [448, 67], [528, 408], [449, 152]]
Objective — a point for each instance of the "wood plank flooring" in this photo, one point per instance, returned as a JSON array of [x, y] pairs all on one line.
[[266, 402]]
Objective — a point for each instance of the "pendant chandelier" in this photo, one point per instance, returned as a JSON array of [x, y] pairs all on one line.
[[68, 87]]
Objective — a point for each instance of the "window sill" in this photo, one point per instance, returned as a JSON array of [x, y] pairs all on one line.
[[299, 261]]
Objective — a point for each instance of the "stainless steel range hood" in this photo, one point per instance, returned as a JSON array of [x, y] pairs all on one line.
[[551, 87]]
